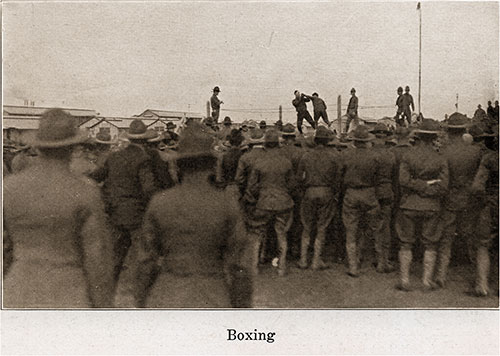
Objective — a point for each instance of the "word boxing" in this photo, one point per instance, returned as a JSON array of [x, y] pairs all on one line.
[[233, 335]]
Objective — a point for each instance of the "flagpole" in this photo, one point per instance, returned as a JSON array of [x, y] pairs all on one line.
[[419, 55]]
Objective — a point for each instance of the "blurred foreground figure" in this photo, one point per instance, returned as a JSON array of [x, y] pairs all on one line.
[[61, 253], [190, 254]]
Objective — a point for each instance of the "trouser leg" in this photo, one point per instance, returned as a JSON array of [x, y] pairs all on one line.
[[121, 247], [300, 119], [405, 257], [317, 262], [383, 240], [348, 123], [429, 263], [281, 226], [309, 119], [482, 271], [324, 115], [444, 249], [350, 218], [304, 247]]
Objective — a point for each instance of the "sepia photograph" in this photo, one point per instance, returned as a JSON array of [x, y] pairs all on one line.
[[249, 155]]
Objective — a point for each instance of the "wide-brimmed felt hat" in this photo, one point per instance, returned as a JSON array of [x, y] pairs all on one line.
[[195, 141], [428, 127], [157, 138], [288, 130], [209, 121], [379, 128], [171, 125], [476, 130], [216, 89], [361, 133], [227, 121], [456, 121], [353, 90], [58, 129], [323, 132], [262, 124], [272, 136], [104, 138], [139, 131], [402, 132], [256, 137]]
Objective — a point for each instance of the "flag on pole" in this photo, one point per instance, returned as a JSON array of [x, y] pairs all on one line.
[[418, 6]]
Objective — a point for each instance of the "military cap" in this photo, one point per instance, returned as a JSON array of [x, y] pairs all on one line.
[[156, 138], [171, 125], [456, 121], [476, 130], [216, 89], [353, 90], [400, 89], [104, 138], [256, 137], [315, 94], [263, 124], [380, 127], [361, 133], [195, 141], [139, 131], [288, 130], [402, 132], [58, 129], [407, 88], [322, 132], [209, 121], [428, 127], [227, 121], [272, 136]]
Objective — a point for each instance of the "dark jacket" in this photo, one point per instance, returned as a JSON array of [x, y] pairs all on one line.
[[61, 247], [300, 103], [418, 166], [129, 184], [271, 182], [320, 167]]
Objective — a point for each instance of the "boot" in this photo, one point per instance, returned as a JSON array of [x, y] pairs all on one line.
[[442, 267], [429, 262], [405, 257], [482, 270], [352, 258], [317, 262], [282, 245], [304, 249]]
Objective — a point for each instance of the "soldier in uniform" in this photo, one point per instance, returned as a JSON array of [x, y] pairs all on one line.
[[319, 172], [269, 187], [294, 153], [485, 186], [352, 109], [361, 178], [190, 241], [229, 162], [62, 252], [226, 130], [129, 184], [407, 103], [160, 167], [319, 106], [459, 215], [247, 160], [400, 110], [300, 104], [423, 178], [385, 196], [215, 103]]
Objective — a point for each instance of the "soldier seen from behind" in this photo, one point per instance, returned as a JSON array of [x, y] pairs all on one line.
[[268, 191], [190, 240], [61, 248], [319, 172], [423, 179], [128, 185]]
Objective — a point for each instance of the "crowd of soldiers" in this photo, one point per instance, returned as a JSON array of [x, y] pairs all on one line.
[[185, 219]]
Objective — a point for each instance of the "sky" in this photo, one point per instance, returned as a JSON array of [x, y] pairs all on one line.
[[123, 58]]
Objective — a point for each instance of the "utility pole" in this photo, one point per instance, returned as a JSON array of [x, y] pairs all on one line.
[[419, 55], [339, 113], [280, 113]]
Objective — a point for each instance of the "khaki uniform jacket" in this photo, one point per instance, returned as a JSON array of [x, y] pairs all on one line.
[[61, 247]]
